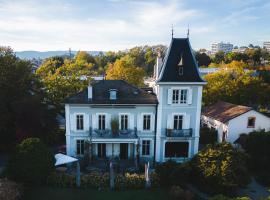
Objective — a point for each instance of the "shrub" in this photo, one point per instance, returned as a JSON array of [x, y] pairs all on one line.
[[31, 163], [221, 197], [61, 180], [95, 180], [208, 136], [10, 190], [181, 174], [164, 171], [220, 168], [130, 181], [176, 192]]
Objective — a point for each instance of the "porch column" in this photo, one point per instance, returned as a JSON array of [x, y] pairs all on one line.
[[137, 154]]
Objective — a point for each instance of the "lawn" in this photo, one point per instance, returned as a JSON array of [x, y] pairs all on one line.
[[47, 193]]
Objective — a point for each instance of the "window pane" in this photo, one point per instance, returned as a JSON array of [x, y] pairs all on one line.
[[146, 147], [175, 96], [146, 122], [183, 98], [176, 149], [178, 122], [79, 122]]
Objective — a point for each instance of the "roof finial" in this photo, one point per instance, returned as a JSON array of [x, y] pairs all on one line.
[[188, 31], [172, 30]]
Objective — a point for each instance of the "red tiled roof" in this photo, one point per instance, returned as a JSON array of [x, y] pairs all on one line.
[[224, 111]]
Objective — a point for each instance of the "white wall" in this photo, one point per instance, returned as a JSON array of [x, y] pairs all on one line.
[[238, 125]]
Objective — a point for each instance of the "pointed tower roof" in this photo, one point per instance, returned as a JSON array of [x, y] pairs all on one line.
[[178, 55]]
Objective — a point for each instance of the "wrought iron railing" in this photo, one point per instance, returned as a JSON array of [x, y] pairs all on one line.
[[109, 133], [179, 132]]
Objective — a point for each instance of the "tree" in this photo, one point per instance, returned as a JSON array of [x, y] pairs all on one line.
[[236, 85], [31, 163], [124, 69], [23, 108], [66, 79], [203, 59], [219, 57], [220, 168]]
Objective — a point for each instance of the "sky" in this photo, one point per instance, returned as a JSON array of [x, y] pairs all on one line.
[[104, 25]]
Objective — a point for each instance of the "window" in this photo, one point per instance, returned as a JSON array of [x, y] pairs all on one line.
[[179, 96], [146, 122], [177, 122], [251, 122], [101, 122], [79, 122], [176, 149], [80, 147], [124, 122], [146, 147], [181, 71], [112, 94]]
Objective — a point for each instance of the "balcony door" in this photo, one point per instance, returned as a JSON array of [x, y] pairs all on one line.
[[102, 150], [124, 151]]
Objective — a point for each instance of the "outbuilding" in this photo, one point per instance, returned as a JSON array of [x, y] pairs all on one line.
[[230, 120]]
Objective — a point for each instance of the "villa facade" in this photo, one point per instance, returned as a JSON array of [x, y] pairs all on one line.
[[114, 119]]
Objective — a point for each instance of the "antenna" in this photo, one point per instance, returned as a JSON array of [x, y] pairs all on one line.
[[188, 31], [172, 30]]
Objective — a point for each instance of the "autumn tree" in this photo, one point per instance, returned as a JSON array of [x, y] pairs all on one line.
[[236, 85], [124, 69]]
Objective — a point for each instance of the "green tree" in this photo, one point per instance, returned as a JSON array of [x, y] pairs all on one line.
[[124, 69], [23, 108], [31, 163], [220, 168], [236, 85], [219, 57], [203, 59]]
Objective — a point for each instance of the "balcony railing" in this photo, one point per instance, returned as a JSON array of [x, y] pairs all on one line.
[[179, 133], [107, 133]]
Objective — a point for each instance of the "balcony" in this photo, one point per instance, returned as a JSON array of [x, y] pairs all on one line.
[[107, 133], [179, 133]]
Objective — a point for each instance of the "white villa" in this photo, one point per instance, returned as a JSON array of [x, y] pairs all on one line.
[[114, 119]]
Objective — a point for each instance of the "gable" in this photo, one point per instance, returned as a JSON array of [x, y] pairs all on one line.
[[179, 55]]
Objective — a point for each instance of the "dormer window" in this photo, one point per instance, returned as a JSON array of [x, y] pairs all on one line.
[[113, 94], [181, 70]]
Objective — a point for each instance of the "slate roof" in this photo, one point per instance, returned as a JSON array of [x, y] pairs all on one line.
[[126, 94], [224, 111], [179, 52]]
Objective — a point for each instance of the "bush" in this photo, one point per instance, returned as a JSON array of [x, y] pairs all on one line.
[[95, 180], [61, 180], [208, 136], [258, 148], [130, 181], [221, 197], [176, 192], [31, 163], [220, 168], [164, 171], [10, 190]]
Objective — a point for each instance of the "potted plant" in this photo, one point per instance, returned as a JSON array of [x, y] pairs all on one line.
[[115, 126]]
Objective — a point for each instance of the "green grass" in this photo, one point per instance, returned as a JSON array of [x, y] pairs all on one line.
[[47, 193]]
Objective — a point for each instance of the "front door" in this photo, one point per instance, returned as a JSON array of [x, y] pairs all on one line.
[[123, 151], [101, 150]]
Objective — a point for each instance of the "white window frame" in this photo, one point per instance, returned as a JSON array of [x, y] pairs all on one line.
[[146, 146], [82, 144], [150, 121], [99, 114], [83, 122], [177, 96], [120, 121], [174, 115]]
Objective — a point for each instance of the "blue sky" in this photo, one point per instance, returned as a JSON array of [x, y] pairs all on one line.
[[121, 24]]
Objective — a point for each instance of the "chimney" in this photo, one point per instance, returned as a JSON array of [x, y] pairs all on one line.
[[90, 92], [158, 65]]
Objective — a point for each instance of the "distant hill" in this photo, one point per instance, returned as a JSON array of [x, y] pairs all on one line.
[[46, 54]]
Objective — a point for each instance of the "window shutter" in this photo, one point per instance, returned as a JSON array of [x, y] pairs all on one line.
[[108, 121], [170, 121], [73, 122], [94, 121], [169, 96], [131, 121], [139, 122], [86, 122], [186, 121], [189, 96], [152, 123]]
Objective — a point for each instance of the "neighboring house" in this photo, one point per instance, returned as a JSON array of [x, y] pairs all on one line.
[[231, 120], [158, 123]]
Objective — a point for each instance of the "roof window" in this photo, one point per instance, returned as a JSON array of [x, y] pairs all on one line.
[[113, 94]]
